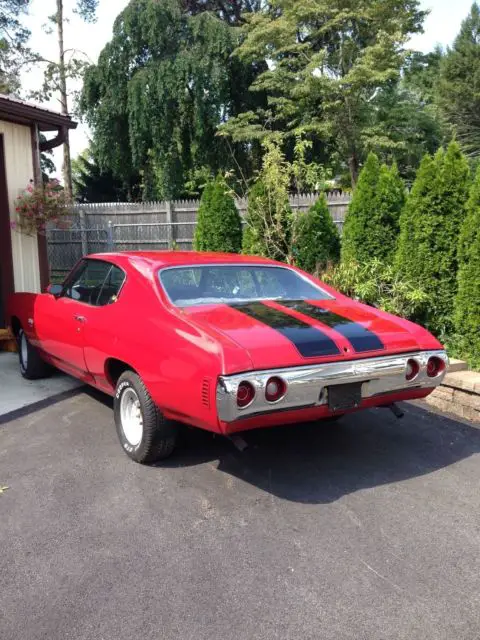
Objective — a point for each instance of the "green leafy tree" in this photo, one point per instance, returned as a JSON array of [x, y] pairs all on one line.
[[405, 125], [316, 238], [429, 230], [421, 74], [327, 61], [160, 89], [219, 226], [13, 43], [269, 217], [362, 206], [467, 306], [459, 97]]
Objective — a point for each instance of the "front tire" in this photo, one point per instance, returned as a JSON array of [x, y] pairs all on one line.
[[32, 367], [144, 433]]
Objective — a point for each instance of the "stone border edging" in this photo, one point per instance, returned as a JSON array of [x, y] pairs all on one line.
[[459, 393]]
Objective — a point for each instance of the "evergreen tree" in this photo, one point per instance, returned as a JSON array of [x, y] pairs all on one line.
[[355, 239], [383, 226], [459, 97], [317, 241], [467, 306], [219, 226], [429, 233], [91, 184]]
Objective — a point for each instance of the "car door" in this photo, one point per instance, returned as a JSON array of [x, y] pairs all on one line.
[[60, 321]]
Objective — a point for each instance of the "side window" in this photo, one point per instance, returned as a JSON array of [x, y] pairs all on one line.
[[86, 285], [111, 287]]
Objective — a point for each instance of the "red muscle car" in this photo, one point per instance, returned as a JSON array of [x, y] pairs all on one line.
[[226, 343]]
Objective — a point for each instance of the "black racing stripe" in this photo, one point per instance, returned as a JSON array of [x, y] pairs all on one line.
[[359, 337], [309, 340]]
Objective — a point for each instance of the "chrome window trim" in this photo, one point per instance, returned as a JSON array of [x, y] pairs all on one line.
[[84, 262], [328, 296], [306, 384]]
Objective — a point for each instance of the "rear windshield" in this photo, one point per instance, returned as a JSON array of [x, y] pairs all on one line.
[[190, 286]]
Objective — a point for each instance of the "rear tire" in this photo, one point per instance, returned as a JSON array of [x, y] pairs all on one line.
[[144, 433], [32, 366]]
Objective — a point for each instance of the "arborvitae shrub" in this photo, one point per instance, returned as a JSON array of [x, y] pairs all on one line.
[[429, 233], [316, 238], [355, 229], [384, 225], [467, 304], [373, 219], [219, 226]]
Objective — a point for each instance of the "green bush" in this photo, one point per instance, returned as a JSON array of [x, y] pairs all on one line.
[[269, 217], [467, 304], [317, 241], [253, 231], [219, 226], [379, 285], [384, 225], [355, 229], [429, 229], [373, 218]]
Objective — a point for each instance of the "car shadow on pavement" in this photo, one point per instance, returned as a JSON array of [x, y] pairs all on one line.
[[321, 462]]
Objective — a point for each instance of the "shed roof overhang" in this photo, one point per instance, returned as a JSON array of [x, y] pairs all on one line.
[[20, 112]]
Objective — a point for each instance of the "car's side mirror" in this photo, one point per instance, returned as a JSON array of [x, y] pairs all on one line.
[[55, 290]]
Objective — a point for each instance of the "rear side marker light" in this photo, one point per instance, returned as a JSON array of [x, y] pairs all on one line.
[[412, 370], [245, 394], [275, 389], [435, 367]]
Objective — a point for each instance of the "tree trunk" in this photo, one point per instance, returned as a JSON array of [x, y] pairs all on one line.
[[354, 167], [67, 163]]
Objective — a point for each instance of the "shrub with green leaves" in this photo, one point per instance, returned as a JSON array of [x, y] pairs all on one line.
[[373, 218], [467, 304], [268, 228], [430, 225], [359, 212], [316, 238], [219, 226], [384, 225], [379, 285]]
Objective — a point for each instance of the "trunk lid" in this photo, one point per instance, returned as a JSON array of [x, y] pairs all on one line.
[[300, 332]]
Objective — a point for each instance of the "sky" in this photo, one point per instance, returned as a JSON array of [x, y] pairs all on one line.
[[441, 27]]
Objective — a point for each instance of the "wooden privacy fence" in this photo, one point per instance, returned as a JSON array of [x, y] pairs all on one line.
[[152, 226]]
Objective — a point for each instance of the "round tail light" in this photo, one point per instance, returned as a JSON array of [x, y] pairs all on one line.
[[245, 394], [435, 367], [275, 389], [412, 370]]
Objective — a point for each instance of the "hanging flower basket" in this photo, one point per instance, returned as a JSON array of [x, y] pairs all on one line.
[[38, 206]]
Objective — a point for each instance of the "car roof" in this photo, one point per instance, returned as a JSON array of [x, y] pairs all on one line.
[[159, 259]]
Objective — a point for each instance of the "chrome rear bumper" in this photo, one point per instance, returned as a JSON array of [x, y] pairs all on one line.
[[307, 385]]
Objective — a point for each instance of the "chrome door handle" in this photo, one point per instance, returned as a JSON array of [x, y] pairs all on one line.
[[79, 318]]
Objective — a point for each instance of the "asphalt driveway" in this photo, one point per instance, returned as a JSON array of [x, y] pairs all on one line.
[[366, 529]]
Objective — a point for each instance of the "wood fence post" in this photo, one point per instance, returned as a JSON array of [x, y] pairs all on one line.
[[83, 233], [169, 211]]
